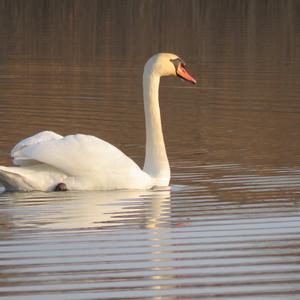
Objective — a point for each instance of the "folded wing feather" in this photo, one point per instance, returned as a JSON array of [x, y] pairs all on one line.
[[75, 155]]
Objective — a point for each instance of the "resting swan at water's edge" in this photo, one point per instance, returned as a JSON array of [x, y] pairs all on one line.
[[48, 161]]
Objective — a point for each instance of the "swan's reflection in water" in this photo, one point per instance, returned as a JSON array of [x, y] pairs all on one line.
[[89, 230], [148, 244], [92, 209]]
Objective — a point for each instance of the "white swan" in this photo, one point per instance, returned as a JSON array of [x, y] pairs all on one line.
[[48, 161]]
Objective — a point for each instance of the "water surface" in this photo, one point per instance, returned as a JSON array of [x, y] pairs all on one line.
[[229, 225]]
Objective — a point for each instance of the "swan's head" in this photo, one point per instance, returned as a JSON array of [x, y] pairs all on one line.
[[168, 64]]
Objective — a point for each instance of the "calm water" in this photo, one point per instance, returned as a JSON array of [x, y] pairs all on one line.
[[229, 225]]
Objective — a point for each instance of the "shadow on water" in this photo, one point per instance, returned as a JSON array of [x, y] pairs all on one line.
[[229, 226]]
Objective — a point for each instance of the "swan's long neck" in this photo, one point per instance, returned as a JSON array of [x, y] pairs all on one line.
[[156, 161]]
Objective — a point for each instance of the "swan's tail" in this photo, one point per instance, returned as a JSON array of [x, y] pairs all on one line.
[[12, 181]]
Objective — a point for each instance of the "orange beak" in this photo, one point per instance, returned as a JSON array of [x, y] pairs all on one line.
[[184, 74]]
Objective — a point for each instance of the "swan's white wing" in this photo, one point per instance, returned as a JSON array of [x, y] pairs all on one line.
[[82, 156], [40, 137]]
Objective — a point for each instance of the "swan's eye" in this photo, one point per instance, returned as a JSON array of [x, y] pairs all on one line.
[[176, 62]]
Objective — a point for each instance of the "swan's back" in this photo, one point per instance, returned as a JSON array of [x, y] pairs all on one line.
[[85, 156]]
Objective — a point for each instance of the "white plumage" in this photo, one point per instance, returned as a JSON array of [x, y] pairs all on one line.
[[84, 162]]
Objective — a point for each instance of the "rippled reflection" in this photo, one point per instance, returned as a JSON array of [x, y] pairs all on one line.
[[148, 244], [82, 210]]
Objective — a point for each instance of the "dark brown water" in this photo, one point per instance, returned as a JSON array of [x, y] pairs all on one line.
[[229, 226]]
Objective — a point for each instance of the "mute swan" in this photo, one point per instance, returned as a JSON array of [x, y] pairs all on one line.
[[48, 161]]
